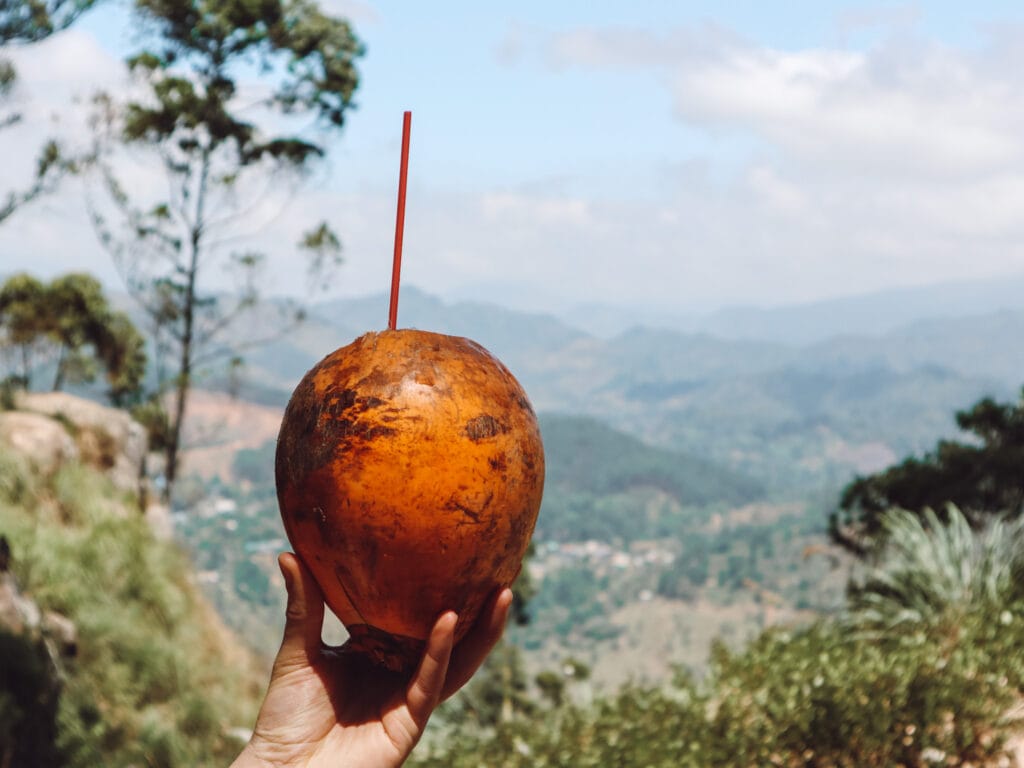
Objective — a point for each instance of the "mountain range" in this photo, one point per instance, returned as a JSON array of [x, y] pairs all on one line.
[[870, 314], [788, 414]]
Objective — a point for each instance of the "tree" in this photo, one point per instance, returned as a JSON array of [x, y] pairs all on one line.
[[122, 351], [29, 21], [984, 478], [192, 123], [69, 324], [23, 319]]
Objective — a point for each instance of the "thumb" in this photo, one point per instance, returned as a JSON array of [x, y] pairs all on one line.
[[304, 616]]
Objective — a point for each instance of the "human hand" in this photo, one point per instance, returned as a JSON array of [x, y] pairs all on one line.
[[328, 707]]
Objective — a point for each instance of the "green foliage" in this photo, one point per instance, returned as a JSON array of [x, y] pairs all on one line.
[[28, 21], [18, 485], [982, 477], [152, 415], [252, 583], [24, 319], [605, 461], [69, 324], [935, 571], [153, 682], [567, 600], [688, 571], [122, 351], [835, 698]]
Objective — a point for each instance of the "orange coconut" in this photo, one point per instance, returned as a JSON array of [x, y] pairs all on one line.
[[409, 474]]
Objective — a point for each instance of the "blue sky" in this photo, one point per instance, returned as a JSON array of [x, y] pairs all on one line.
[[675, 155]]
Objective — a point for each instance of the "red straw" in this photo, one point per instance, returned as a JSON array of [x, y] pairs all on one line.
[[396, 267]]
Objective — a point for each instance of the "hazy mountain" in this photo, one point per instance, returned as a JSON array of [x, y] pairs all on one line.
[[786, 413], [870, 314]]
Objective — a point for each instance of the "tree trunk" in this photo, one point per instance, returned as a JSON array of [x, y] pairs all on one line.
[[26, 370], [184, 382], [58, 379]]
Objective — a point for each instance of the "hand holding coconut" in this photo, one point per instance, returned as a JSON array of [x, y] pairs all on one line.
[[330, 707]]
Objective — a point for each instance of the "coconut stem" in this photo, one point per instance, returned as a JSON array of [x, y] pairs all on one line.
[[396, 266]]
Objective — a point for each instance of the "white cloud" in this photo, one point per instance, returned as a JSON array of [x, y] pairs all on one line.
[[70, 62], [901, 163], [933, 115]]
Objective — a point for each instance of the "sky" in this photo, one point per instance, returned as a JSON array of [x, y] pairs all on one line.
[[678, 157]]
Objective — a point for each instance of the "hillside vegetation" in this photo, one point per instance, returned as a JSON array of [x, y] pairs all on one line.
[[598, 480], [155, 680]]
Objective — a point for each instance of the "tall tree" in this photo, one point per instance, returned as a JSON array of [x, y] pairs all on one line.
[[984, 477], [191, 121]]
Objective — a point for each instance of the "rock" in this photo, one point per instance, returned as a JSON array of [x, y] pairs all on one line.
[[45, 443], [107, 438]]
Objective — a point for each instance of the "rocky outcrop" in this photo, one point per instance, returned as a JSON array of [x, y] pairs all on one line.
[[50, 428], [44, 442]]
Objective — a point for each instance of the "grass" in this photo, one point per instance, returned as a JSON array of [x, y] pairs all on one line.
[[156, 681]]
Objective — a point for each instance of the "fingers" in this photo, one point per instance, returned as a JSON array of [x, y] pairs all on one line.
[[424, 691], [304, 616], [474, 648]]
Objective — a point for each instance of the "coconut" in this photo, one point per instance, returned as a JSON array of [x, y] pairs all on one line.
[[409, 474]]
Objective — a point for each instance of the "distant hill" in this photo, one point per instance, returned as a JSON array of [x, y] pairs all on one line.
[[869, 314], [600, 483], [587, 456]]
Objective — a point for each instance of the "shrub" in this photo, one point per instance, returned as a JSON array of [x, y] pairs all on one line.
[[936, 571]]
